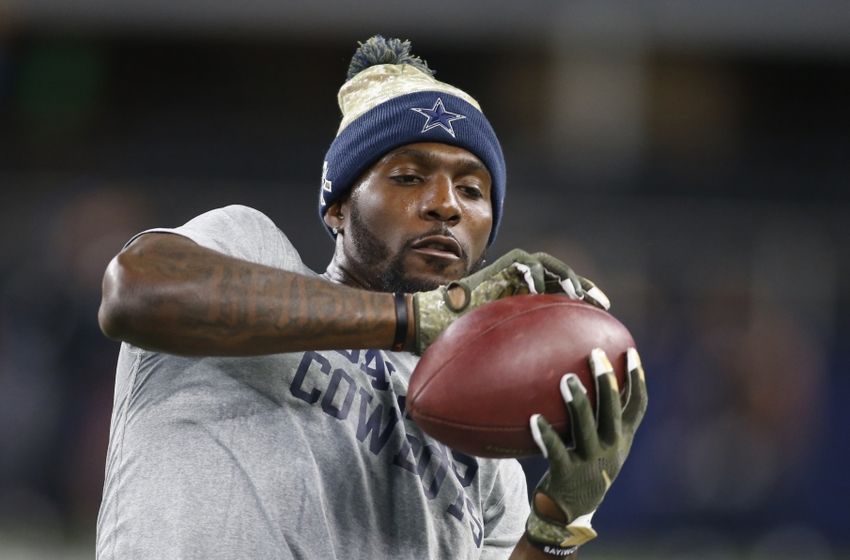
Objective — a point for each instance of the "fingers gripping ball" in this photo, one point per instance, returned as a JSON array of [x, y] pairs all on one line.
[[475, 388], [580, 475], [515, 272]]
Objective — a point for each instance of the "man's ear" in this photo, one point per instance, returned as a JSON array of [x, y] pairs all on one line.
[[335, 216]]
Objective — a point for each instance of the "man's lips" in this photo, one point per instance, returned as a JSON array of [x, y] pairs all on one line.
[[440, 246]]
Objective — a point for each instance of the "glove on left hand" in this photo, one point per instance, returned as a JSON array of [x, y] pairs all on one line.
[[579, 477]]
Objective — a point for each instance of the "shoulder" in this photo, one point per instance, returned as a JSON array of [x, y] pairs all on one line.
[[243, 232], [234, 216]]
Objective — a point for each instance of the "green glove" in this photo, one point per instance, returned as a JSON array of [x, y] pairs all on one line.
[[578, 477], [514, 273]]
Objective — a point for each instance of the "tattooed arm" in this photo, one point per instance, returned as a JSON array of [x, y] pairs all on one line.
[[164, 292]]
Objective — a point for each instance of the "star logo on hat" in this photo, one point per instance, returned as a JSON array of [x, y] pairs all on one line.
[[438, 116]]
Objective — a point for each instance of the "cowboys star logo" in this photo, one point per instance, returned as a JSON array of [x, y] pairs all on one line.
[[438, 116]]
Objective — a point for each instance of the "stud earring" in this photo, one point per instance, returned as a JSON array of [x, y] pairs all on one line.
[[335, 230]]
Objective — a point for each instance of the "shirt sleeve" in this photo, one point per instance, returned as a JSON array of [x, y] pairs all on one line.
[[241, 232], [506, 512]]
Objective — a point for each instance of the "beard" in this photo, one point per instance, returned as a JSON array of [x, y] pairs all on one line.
[[389, 274]]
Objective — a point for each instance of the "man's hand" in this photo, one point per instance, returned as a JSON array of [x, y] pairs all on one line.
[[579, 477], [515, 273]]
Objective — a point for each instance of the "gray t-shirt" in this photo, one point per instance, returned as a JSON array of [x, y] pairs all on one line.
[[299, 455]]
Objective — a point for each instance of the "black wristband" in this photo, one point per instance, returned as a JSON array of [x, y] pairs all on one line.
[[400, 322], [552, 549]]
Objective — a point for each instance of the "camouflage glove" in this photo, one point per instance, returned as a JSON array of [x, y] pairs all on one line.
[[578, 477], [515, 273]]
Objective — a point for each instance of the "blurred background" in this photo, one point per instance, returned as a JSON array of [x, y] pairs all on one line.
[[693, 158]]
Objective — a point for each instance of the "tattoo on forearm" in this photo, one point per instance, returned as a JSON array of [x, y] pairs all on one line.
[[235, 303]]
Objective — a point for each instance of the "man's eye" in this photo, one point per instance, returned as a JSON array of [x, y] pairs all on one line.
[[472, 192], [406, 179]]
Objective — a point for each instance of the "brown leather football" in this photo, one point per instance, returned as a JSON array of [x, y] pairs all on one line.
[[478, 384]]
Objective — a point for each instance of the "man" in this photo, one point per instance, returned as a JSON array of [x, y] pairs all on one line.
[[259, 407]]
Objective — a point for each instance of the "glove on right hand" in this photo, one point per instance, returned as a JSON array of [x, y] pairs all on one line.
[[514, 273]]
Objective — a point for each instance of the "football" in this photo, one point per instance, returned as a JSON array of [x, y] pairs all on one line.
[[478, 384]]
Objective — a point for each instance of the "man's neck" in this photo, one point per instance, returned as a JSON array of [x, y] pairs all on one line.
[[338, 275]]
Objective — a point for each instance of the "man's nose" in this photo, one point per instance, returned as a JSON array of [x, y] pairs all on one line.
[[440, 201]]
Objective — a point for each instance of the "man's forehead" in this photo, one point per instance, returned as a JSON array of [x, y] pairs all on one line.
[[434, 153]]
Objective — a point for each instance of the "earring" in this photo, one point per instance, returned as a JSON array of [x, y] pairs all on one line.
[[335, 230]]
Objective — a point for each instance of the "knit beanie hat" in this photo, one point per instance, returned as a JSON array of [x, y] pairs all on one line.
[[391, 99]]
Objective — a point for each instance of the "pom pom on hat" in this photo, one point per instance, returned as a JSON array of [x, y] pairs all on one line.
[[391, 99], [378, 50]]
